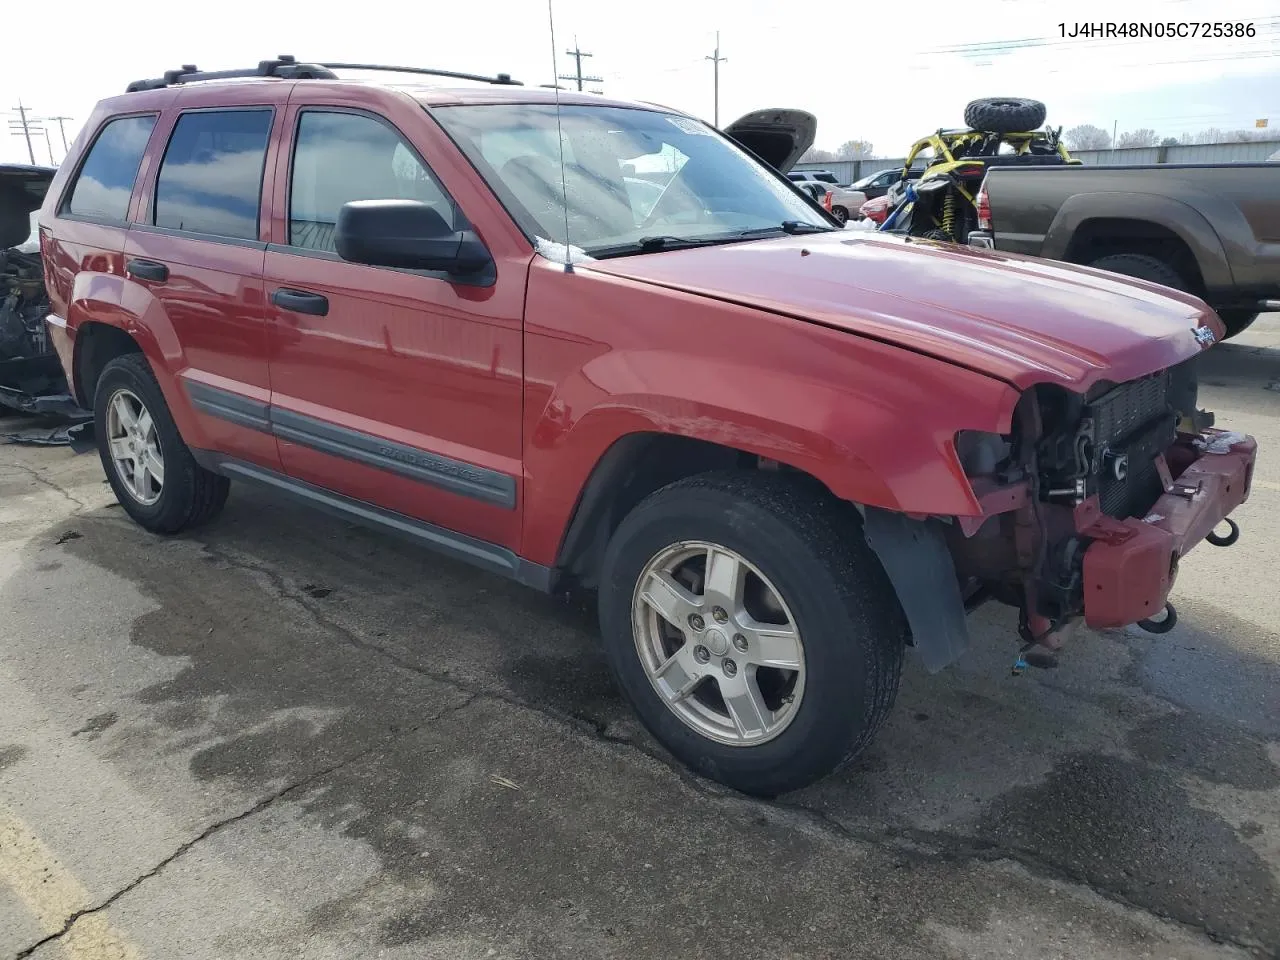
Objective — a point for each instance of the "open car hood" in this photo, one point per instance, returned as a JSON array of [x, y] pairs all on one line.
[[22, 190], [777, 136]]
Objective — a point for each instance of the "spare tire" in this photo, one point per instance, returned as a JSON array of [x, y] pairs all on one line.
[[1004, 114]]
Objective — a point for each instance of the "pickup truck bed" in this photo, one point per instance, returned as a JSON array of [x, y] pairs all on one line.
[[1210, 229]]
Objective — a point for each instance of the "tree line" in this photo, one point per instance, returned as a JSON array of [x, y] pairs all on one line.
[[1086, 136]]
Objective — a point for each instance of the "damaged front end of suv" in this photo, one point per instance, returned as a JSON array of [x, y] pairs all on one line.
[[1090, 503], [31, 378]]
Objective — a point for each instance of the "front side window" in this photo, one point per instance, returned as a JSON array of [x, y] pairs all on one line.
[[341, 157], [635, 179], [105, 183], [211, 177]]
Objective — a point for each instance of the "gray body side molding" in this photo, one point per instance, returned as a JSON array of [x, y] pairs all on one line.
[[915, 556]]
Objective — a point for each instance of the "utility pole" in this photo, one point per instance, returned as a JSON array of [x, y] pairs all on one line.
[[25, 126], [63, 131], [716, 60], [577, 76]]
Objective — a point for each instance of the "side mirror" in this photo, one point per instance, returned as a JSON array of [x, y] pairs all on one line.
[[405, 233]]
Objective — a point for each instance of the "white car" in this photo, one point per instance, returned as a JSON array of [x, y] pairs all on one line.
[[845, 203]]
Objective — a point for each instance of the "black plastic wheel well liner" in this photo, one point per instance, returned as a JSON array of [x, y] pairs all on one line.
[[915, 556], [632, 468], [97, 344]]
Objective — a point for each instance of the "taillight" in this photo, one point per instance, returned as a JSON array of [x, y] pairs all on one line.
[[826, 200], [983, 206]]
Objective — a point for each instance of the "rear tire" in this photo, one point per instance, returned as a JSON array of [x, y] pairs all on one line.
[[1004, 114], [840, 213], [187, 494], [830, 590], [1141, 266], [1237, 321]]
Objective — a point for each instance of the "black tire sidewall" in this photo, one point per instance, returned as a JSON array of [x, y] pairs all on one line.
[[831, 713], [837, 211], [170, 511], [1141, 266], [1004, 115]]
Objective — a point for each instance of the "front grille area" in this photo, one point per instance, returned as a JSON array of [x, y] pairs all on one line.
[[1135, 421]]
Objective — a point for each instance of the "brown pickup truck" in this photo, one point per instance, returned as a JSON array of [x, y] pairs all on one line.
[[1210, 229]]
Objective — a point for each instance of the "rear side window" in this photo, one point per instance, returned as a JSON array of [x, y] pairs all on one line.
[[211, 177], [340, 157], [105, 183]]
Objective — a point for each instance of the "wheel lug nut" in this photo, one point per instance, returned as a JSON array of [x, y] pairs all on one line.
[[719, 614], [696, 621], [701, 654], [740, 643], [730, 668]]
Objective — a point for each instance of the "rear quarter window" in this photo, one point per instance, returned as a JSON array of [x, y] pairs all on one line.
[[210, 180], [105, 181]]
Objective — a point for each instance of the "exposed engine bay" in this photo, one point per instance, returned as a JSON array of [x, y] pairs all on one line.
[[31, 378], [1091, 501]]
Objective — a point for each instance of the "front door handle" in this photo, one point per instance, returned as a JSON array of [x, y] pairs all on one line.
[[147, 270], [299, 301]]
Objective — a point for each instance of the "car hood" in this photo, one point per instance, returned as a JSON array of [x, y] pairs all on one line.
[[22, 190], [777, 136], [1020, 319]]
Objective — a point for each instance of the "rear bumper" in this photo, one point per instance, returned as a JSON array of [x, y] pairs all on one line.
[[982, 240], [1131, 565]]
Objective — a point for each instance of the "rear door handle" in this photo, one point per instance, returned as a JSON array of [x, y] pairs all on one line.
[[147, 270], [299, 301]]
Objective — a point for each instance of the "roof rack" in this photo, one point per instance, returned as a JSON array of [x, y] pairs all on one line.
[[288, 68]]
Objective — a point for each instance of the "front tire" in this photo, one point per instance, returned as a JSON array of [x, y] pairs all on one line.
[[150, 468], [752, 628]]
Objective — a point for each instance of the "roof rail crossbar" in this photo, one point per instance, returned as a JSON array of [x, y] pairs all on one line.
[[503, 79], [284, 67]]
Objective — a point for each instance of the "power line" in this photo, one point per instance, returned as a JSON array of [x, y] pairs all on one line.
[[577, 76], [716, 60]]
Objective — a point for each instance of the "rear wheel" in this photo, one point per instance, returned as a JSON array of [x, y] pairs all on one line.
[[1141, 266], [840, 213], [1237, 321], [752, 629], [148, 465]]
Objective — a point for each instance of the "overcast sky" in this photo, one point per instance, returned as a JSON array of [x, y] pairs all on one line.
[[869, 69]]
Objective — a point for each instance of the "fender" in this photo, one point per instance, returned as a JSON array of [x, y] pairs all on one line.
[[846, 432], [1180, 218], [130, 307]]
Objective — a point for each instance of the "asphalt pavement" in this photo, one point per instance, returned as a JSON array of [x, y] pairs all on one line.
[[286, 737]]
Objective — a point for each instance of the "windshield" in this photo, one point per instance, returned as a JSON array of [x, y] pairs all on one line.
[[631, 175]]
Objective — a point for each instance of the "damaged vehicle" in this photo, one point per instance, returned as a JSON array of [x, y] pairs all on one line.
[[31, 379], [782, 454]]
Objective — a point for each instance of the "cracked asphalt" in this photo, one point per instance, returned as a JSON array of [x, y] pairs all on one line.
[[287, 737]]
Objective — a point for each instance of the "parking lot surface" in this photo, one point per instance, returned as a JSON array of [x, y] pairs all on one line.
[[287, 737]]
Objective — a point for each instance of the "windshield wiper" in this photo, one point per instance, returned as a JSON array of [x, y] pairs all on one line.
[[666, 242], [788, 226], [655, 243]]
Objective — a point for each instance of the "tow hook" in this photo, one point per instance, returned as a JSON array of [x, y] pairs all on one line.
[[1232, 535], [1165, 624]]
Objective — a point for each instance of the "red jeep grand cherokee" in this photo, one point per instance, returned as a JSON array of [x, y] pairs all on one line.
[[779, 451]]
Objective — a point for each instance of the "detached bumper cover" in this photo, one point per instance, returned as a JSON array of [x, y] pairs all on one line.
[[1130, 566]]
